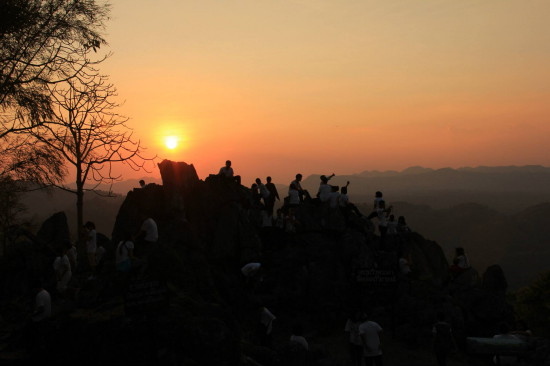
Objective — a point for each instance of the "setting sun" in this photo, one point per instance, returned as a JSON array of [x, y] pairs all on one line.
[[171, 142]]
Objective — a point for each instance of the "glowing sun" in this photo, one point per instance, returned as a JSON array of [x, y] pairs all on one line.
[[171, 142]]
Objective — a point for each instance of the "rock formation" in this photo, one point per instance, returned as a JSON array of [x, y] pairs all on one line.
[[199, 310]]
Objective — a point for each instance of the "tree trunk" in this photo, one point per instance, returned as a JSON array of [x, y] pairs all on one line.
[[79, 204]]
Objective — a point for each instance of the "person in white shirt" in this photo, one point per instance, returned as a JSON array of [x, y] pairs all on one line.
[[264, 192], [62, 269], [73, 257], [228, 173], [293, 196], [42, 303], [382, 213], [324, 188], [355, 342], [378, 196], [124, 254], [371, 336], [334, 197], [146, 238]]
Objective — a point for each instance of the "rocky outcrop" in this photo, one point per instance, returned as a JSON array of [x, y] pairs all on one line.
[[329, 268]]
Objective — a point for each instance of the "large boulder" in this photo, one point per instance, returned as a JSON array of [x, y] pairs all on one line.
[[178, 175], [54, 232]]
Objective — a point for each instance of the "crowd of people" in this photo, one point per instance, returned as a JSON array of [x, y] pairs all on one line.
[[133, 251]]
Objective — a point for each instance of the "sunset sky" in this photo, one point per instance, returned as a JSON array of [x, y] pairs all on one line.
[[281, 87]]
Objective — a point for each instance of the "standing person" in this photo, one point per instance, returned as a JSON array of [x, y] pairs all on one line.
[[354, 339], [73, 256], [256, 196], [147, 237], [35, 331], [91, 247], [42, 303], [62, 269], [124, 255], [293, 197], [378, 196], [443, 339], [264, 192], [382, 213], [273, 194], [371, 337]]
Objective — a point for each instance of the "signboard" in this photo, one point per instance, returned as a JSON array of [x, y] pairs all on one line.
[[145, 295], [377, 277]]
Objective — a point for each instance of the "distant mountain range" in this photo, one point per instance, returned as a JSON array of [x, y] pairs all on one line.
[[506, 188], [499, 214]]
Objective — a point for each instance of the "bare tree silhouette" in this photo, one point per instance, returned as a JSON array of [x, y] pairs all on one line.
[[42, 42], [89, 134]]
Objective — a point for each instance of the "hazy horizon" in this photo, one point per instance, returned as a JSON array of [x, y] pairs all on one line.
[[319, 87]]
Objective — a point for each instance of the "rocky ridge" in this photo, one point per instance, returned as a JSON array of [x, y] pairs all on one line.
[[200, 311]]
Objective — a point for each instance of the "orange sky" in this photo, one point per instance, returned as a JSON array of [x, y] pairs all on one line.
[[281, 87]]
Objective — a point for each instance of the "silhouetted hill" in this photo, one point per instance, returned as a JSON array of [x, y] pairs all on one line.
[[507, 189], [192, 305], [519, 242]]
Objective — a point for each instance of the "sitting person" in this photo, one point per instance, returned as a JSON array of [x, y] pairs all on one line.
[[334, 197], [345, 205], [302, 193], [227, 172], [124, 255], [460, 262], [402, 226], [324, 188]]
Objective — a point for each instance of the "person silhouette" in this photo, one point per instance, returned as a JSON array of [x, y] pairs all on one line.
[[302, 193], [273, 195], [228, 173]]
